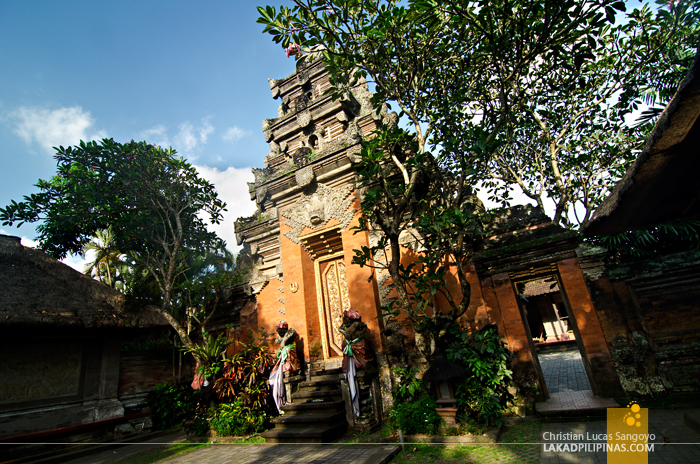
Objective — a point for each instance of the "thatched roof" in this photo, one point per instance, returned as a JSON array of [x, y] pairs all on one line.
[[663, 183], [37, 290]]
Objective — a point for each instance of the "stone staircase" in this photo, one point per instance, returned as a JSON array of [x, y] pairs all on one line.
[[316, 413]]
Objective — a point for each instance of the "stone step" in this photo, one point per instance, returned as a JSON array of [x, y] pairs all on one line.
[[316, 395], [315, 387], [307, 420], [580, 406], [316, 383], [313, 406], [324, 372], [305, 435], [323, 378]]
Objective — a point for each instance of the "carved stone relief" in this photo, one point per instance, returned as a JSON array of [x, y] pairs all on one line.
[[301, 157], [315, 209], [305, 176]]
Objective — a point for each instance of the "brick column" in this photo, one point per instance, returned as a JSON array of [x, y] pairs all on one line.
[[596, 356], [364, 294], [526, 370]]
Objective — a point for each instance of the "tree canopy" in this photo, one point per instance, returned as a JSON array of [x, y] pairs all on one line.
[[528, 93], [153, 202]]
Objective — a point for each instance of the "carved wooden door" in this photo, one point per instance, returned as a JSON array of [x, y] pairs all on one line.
[[334, 286]]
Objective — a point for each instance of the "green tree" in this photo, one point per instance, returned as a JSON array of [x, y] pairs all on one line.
[[107, 257], [153, 201], [458, 72], [569, 143]]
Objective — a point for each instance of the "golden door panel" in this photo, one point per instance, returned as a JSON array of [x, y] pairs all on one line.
[[335, 300]]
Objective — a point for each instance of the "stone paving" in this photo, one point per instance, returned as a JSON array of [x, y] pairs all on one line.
[[564, 372], [255, 453], [282, 454], [576, 400], [682, 444]]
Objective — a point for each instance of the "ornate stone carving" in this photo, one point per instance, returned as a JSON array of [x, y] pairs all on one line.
[[410, 238], [303, 114], [304, 118], [260, 195], [301, 157], [315, 209], [258, 284], [302, 74], [305, 176], [267, 131], [261, 175]]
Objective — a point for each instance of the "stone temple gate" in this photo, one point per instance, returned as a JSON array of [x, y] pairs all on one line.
[[301, 239]]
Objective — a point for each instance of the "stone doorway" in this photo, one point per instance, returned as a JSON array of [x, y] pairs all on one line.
[[554, 339]]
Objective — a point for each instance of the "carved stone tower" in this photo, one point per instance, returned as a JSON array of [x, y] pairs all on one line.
[[301, 238]]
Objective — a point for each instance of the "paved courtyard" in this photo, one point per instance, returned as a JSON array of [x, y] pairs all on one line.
[[683, 444], [281, 454], [564, 372]]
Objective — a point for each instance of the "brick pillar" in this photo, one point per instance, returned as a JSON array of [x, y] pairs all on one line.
[[597, 357], [294, 271], [493, 311], [526, 371], [364, 294]]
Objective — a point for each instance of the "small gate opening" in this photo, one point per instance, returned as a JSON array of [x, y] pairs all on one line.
[[553, 335]]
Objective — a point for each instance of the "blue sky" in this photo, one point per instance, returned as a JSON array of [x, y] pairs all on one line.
[[188, 74]]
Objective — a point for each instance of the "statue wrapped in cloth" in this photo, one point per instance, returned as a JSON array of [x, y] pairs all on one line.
[[287, 361], [355, 352]]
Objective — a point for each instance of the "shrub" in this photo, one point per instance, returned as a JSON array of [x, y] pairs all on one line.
[[245, 376], [171, 405], [200, 427], [236, 420], [418, 416], [484, 395], [408, 388]]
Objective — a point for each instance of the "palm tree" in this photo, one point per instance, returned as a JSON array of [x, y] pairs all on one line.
[[107, 257]]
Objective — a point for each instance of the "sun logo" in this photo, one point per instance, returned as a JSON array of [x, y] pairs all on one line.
[[631, 418]]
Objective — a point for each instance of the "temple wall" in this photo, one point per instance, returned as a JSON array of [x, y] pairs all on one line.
[[649, 312], [44, 386]]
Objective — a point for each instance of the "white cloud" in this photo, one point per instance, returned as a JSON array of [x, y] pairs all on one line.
[[233, 189], [157, 135], [77, 262], [205, 130], [188, 140], [235, 133], [185, 140], [51, 128]]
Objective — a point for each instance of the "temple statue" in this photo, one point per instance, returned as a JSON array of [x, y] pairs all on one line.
[[355, 352], [287, 361]]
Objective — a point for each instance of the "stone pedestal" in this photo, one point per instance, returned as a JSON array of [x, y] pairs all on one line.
[[449, 415]]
